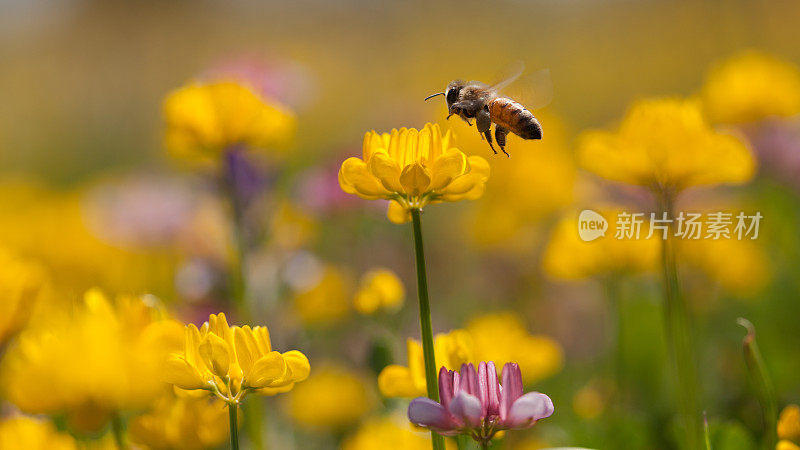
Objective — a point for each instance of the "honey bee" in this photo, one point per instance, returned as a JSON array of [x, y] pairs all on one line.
[[485, 104]]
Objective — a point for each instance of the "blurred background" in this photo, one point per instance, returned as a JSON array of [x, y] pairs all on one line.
[[89, 194]]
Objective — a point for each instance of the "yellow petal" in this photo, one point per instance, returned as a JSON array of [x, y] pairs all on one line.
[[354, 173], [396, 381], [267, 369], [372, 143], [179, 372], [298, 364], [214, 353], [192, 336], [386, 170], [415, 179], [397, 213], [261, 336], [245, 349], [446, 168], [479, 166], [462, 185]]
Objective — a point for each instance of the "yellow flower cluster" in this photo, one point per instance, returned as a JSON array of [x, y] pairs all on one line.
[[206, 119], [332, 398], [35, 434], [413, 168], [231, 362], [451, 350], [388, 433], [379, 289], [501, 336], [50, 227], [20, 283], [90, 363], [751, 86], [666, 145], [789, 428], [569, 257], [181, 423]]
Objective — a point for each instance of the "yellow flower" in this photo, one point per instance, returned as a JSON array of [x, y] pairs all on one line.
[[35, 434], [569, 257], [666, 145], [332, 398], [326, 301], [413, 168], [206, 119], [90, 362], [231, 362], [20, 283], [786, 445], [739, 266], [588, 402], [292, 228], [789, 423], [388, 433], [501, 336], [380, 289], [181, 423], [74, 258], [751, 86], [451, 350]]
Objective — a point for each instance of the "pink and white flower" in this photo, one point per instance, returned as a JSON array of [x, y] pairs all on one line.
[[474, 403]]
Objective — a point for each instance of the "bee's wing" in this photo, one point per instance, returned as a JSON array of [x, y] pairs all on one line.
[[534, 90], [508, 75]]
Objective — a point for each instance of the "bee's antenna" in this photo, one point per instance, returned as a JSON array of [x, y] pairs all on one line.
[[434, 95]]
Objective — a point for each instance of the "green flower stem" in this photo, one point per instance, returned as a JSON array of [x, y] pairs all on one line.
[[679, 339], [617, 314], [233, 415], [238, 292], [118, 429], [425, 322], [761, 383]]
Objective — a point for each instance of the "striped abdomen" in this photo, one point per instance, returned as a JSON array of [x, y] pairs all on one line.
[[513, 116]]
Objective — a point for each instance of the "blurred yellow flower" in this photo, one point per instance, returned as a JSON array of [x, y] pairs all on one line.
[[181, 423], [379, 289], [786, 445], [501, 336], [588, 402], [666, 145], [292, 228], [326, 301], [451, 350], [91, 362], [789, 427], [20, 283], [526, 190], [739, 266], [50, 227], [413, 168], [332, 398], [35, 434], [751, 86], [569, 257], [205, 119], [388, 433], [231, 362]]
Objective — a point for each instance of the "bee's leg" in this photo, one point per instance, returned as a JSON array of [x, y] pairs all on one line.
[[484, 122], [500, 134]]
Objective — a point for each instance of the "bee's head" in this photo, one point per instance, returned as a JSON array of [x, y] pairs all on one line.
[[452, 91]]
